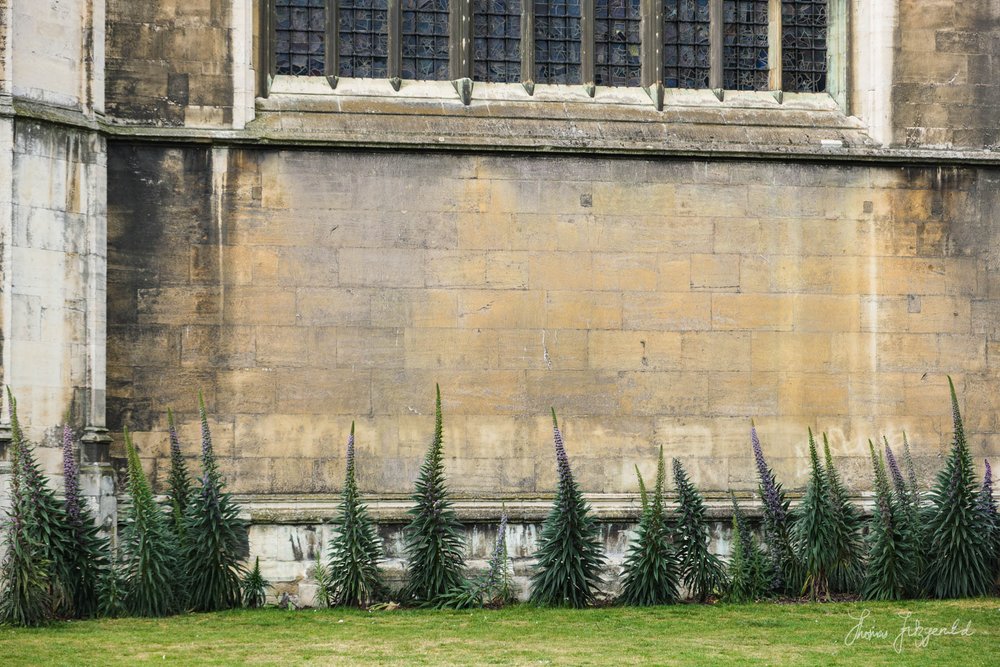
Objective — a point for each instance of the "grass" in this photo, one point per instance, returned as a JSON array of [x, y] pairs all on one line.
[[764, 634]]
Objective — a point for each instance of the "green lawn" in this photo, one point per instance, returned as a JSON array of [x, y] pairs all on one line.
[[685, 634]]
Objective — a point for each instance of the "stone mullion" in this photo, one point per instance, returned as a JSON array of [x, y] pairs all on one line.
[[395, 58], [715, 40], [528, 45], [330, 44], [587, 74], [774, 45]]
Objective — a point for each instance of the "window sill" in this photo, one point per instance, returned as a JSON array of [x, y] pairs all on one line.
[[370, 113]]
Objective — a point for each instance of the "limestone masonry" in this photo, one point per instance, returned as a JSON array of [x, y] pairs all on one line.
[[172, 218]]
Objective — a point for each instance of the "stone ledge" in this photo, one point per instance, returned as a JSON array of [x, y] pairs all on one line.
[[279, 134], [313, 509]]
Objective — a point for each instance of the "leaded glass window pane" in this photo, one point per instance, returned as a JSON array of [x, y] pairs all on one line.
[[496, 41], [300, 32], [557, 41], [616, 42], [744, 50], [685, 44], [803, 46], [363, 38], [425, 39]]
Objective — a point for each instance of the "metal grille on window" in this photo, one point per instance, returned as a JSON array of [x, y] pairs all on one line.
[[803, 46], [300, 30], [425, 39], [616, 42], [557, 41], [744, 52], [363, 38], [686, 52], [496, 40]]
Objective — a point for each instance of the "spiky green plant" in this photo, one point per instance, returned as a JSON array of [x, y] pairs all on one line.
[[488, 588], [846, 574], [701, 571], [651, 573], [356, 549], [569, 556], [214, 535], [908, 520], [255, 587], [749, 566], [786, 570], [816, 530], [957, 547], [111, 588], [46, 520], [891, 570], [149, 548], [987, 505], [434, 543], [324, 586], [25, 573], [89, 549], [179, 486]]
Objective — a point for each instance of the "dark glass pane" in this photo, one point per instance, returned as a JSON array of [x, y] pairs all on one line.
[[744, 51], [557, 41], [425, 39], [496, 40], [685, 43], [363, 38], [616, 42], [803, 46], [300, 32]]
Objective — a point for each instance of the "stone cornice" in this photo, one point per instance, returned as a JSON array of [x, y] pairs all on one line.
[[268, 134], [321, 508]]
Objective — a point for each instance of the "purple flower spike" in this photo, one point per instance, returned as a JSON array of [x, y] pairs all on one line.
[[985, 501], [897, 475], [71, 475], [498, 551], [768, 484]]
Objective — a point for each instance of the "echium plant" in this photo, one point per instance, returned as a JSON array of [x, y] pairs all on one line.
[[907, 498], [785, 568], [846, 574], [25, 596], [891, 569], [651, 573], [255, 587], [89, 549], [749, 567], [179, 487], [816, 530], [214, 535], [488, 588], [356, 549], [701, 571], [46, 521], [434, 544], [149, 548], [987, 506], [958, 549], [569, 557]]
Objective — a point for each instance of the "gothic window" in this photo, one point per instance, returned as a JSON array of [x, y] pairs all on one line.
[[720, 44]]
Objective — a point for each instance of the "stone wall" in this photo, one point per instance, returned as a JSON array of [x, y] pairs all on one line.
[[946, 84], [169, 62], [651, 302]]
